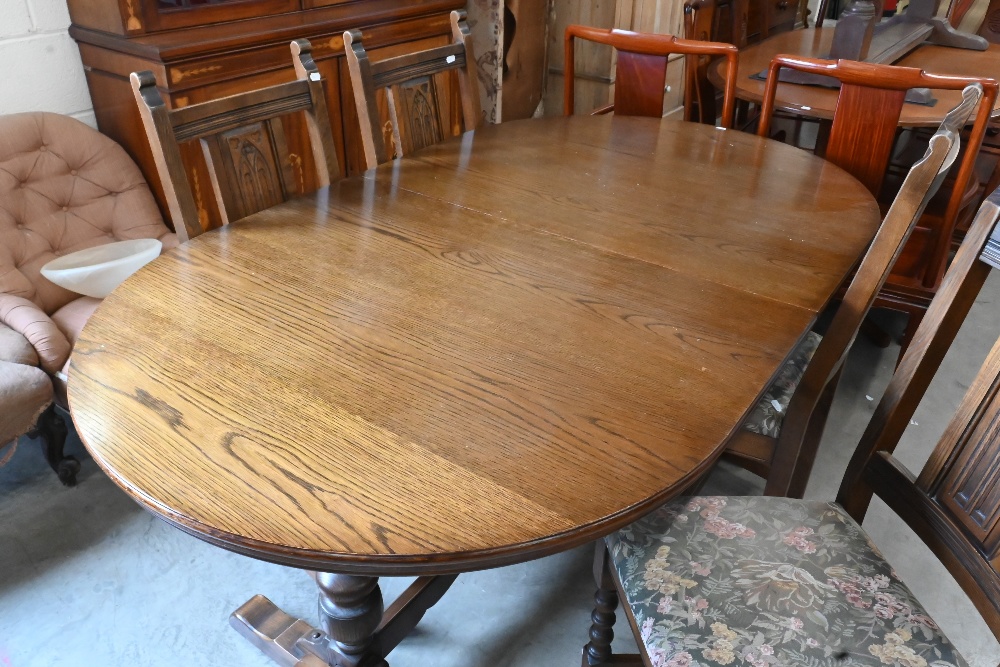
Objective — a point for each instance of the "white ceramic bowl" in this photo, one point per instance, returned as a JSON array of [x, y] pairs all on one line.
[[98, 270]]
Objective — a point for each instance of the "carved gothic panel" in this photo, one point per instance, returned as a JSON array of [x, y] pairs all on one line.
[[250, 164], [417, 106], [970, 488]]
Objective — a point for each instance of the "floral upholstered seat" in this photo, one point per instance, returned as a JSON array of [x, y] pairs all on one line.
[[767, 415], [768, 581]]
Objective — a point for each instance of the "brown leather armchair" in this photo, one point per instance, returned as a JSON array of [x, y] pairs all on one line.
[[63, 187]]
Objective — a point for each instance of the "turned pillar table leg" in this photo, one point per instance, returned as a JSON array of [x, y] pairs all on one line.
[[350, 609], [355, 631]]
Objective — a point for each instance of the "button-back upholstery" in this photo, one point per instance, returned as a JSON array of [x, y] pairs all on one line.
[[63, 187]]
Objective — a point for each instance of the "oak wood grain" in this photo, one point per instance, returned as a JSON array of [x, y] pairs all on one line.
[[504, 346]]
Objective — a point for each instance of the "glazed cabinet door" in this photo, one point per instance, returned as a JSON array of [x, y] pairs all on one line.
[[156, 15]]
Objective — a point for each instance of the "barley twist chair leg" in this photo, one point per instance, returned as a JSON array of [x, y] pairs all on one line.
[[598, 649]]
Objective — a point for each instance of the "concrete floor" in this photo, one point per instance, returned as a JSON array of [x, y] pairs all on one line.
[[88, 578]]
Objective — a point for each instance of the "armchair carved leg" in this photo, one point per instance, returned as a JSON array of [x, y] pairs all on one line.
[[52, 429]]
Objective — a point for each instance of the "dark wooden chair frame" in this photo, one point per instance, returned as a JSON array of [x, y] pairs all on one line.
[[953, 524], [367, 77], [167, 129], [786, 462], [640, 74]]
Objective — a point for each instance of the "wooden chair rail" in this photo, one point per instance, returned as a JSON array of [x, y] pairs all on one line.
[[215, 116], [397, 70], [645, 43], [230, 128], [891, 77]]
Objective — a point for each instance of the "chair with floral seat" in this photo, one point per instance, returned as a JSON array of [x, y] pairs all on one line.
[[778, 581]]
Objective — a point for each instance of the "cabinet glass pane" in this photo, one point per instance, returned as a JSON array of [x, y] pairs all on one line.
[[186, 4]]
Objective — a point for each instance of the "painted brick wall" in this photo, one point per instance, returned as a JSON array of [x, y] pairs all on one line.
[[40, 68]]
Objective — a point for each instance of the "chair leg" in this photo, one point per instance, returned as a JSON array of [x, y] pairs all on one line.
[[875, 333], [52, 429], [598, 649], [915, 316], [795, 453]]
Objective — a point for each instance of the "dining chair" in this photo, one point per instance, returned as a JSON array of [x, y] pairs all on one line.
[[779, 439], [641, 68], [861, 141], [701, 23], [779, 581], [416, 97], [243, 141], [988, 163]]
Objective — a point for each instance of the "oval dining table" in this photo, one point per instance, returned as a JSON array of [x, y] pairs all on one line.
[[501, 347]]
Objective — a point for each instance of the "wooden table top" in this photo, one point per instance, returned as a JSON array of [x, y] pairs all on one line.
[[820, 102], [505, 346]]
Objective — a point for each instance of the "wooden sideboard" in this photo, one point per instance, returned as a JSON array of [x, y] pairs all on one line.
[[200, 50]]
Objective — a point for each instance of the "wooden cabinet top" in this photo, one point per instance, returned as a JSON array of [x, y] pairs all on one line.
[[152, 33]]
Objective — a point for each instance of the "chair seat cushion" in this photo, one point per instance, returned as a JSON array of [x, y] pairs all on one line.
[[25, 392], [768, 581], [71, 319], [767, 415]]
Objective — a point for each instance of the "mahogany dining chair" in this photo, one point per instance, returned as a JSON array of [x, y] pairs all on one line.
[[783, 581], [243, 142], [641, 68], [861, 141]]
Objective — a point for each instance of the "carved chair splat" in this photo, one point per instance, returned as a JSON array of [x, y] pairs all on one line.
[[243, 142], [641, 69], [416, 116]]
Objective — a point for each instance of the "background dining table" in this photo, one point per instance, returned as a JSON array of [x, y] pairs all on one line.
[[819, 102], [502, 347]]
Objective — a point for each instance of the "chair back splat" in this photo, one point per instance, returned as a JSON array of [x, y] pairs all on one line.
[[641, 70], [415, 94], [243, 141]]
